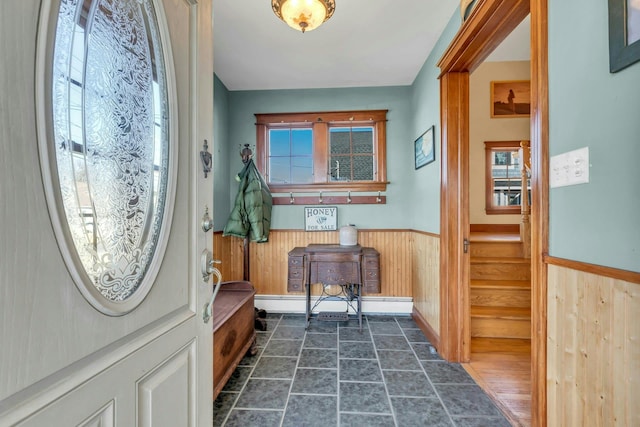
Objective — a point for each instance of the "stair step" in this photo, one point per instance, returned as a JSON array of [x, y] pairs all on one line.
[[500, 322], [501, 345], [500, 260], [500, 268], [496, 248], [489, 236], [492, 296], [501, 284], [508, 313]]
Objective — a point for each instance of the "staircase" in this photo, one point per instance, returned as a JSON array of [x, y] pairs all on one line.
[[500, 291]]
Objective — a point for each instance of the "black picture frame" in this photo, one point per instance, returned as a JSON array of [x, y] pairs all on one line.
[[424, 148], [624, 35]]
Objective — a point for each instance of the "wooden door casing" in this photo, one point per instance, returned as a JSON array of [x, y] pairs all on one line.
[[486, 27]]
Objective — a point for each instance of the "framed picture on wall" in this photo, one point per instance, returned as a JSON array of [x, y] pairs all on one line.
[[424, 148], [510, 98], [624, 33]]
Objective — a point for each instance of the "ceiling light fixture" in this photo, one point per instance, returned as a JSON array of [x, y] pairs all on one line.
[[303, 15]]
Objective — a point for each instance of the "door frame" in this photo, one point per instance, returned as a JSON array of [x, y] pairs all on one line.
[[488, 25]]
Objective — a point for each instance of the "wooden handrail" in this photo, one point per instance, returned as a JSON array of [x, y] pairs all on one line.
[[525, 208]]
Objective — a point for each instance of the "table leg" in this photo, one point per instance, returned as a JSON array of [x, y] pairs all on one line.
[[360, 306], [308, 309]]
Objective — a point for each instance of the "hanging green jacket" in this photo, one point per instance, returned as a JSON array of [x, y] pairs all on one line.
[[251, 214]]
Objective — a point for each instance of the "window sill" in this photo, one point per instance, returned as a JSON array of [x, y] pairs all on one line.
[[328, 187]]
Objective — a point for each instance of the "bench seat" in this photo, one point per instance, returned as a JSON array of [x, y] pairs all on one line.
[[233, 329]]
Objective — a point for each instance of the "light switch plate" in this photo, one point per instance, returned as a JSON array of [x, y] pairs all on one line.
[[569, 168]]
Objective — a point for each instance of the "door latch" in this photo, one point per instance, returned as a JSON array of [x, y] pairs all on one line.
[[465, 245], [206, 265]]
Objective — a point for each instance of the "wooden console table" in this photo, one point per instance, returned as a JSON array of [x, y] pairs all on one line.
[[354, 268]]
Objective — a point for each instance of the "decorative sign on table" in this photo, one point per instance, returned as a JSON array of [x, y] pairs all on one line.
[[321, 218]]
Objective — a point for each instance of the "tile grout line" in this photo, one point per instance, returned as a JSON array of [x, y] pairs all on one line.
[[233, 406], [384, 382], [295, 371], [446, 410], [338, 416]]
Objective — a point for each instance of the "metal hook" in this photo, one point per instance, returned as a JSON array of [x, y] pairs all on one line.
[[320, 199], [349, 197], [378, 199], [292, 201], [246, 153]]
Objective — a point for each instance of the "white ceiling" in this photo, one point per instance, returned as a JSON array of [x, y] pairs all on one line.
[[365, 43]]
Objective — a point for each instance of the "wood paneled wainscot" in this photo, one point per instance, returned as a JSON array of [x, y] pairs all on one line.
[[426, 283], [593, 352], [269, 263]]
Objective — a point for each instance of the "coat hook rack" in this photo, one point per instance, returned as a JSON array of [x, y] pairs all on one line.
[[321, 199]]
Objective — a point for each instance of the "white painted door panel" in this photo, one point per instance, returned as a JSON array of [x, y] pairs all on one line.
[[63, 363]]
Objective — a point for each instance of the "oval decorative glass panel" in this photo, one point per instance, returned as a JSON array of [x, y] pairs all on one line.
[[112, 160]]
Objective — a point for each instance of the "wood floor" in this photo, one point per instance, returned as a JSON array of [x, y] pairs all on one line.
[[502, 367]]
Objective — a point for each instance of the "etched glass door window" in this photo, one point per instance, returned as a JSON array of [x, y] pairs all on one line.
[[112, 160]]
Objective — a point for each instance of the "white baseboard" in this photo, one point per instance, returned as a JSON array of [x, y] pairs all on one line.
[[296, 304]]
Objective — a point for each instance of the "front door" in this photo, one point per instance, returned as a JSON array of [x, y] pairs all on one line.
[[104, 109]]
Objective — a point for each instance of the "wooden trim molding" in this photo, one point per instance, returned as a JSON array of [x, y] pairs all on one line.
[[539, 208], [425, 233], [330, 200], [455, 319], [487, 26], [600, 270], [490, 22], [428, 331]]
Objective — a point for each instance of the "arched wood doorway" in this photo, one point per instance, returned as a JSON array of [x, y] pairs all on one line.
[[487, 26]]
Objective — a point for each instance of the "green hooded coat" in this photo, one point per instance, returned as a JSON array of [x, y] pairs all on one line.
[[251, 214]]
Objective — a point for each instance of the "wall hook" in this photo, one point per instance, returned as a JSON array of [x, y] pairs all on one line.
[[320, 199], [378, 199], [246, 154], [205, 157], [349, 197], [292, 200]]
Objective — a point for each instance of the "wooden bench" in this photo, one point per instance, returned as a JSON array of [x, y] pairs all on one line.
[[233, 329]]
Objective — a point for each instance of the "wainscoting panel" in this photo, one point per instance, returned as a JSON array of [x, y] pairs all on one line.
[[426, 278], [268, 261], [593, 353]]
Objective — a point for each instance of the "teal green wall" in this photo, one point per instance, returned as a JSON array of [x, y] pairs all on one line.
[[425, 108], [413, 197], [220, 151], [394, 214], [598, 222]]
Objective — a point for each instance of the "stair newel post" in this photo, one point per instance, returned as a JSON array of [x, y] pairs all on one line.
[[525, 208]]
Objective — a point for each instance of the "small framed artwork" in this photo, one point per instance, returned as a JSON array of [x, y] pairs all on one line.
[[510, 99], [624, 34], [424, 147]]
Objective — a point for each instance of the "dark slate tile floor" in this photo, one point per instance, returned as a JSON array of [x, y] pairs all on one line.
[[334, 375]]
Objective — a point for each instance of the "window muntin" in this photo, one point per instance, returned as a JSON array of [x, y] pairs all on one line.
[[351, 153], [290, 155], [348, 151], [503, 177]]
